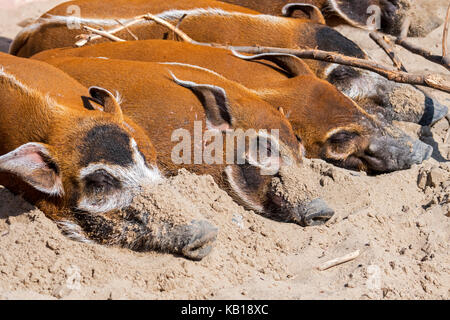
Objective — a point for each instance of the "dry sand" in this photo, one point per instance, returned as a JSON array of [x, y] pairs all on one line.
[[399, 222]]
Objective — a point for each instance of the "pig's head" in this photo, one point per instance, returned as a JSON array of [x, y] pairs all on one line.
[[336, 129], [387, 15], [86, 169], [261, 141], [90, 161]]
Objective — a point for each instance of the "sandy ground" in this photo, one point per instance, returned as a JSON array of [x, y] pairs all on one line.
[[399, 222]]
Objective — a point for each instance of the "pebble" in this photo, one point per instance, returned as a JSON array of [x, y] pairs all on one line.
[[61, 291], [436, 177], [51, 244], [422, 180]]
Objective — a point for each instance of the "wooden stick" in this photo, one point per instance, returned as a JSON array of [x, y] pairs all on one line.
[[385, 44], [445, 34], [86, 39], [178, 24], [170, 26], [338, 261], [422, 52], [105, 34], [128, 29], [434, 81]]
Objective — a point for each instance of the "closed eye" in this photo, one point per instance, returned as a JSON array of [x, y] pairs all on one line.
[[342, 137], [101, 181]]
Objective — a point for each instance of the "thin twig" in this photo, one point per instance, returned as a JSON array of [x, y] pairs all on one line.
[[128, 29], [178, 24], [105, 34], [386, 45], [434, 81], [422, 52], [338, 261], [445, 34], [85, 39], [170, 26]]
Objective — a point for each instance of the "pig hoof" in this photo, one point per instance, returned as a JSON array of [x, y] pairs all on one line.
[[202, 235], [315, 213]]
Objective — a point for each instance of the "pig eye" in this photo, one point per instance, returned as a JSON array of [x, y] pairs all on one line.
[[342, 137], [101, 181]]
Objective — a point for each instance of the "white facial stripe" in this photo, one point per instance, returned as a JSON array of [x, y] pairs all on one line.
[[329, 69], [237, 190], [115, 200], [150, 175]]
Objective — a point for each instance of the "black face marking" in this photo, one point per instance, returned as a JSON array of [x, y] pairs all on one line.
[[328, 39], [252, 177], [107, 143]]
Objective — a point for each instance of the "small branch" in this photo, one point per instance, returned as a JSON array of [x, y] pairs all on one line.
[[386, 45], [422, 52], [128, 29], [338, 261], [171, 27], [434, 81], [102, 33], [87, 38], [445, 34], [178, 24]]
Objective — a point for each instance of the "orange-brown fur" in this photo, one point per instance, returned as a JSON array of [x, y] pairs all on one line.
[[159, 105], [235, 30], [30, 43], [313, 106], [50, 109], [275, 7]]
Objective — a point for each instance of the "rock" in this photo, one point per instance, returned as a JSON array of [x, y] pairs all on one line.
[[422, 179], [61, 291], [436, 177], [51, 244]]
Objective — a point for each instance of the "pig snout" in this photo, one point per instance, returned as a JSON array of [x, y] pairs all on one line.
[[387, 154], [314, 213], [195, 241]]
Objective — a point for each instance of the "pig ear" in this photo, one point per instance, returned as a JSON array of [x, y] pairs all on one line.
[[106, 99], [310, 10], [34, 164], [355, 13], [214, 100]]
